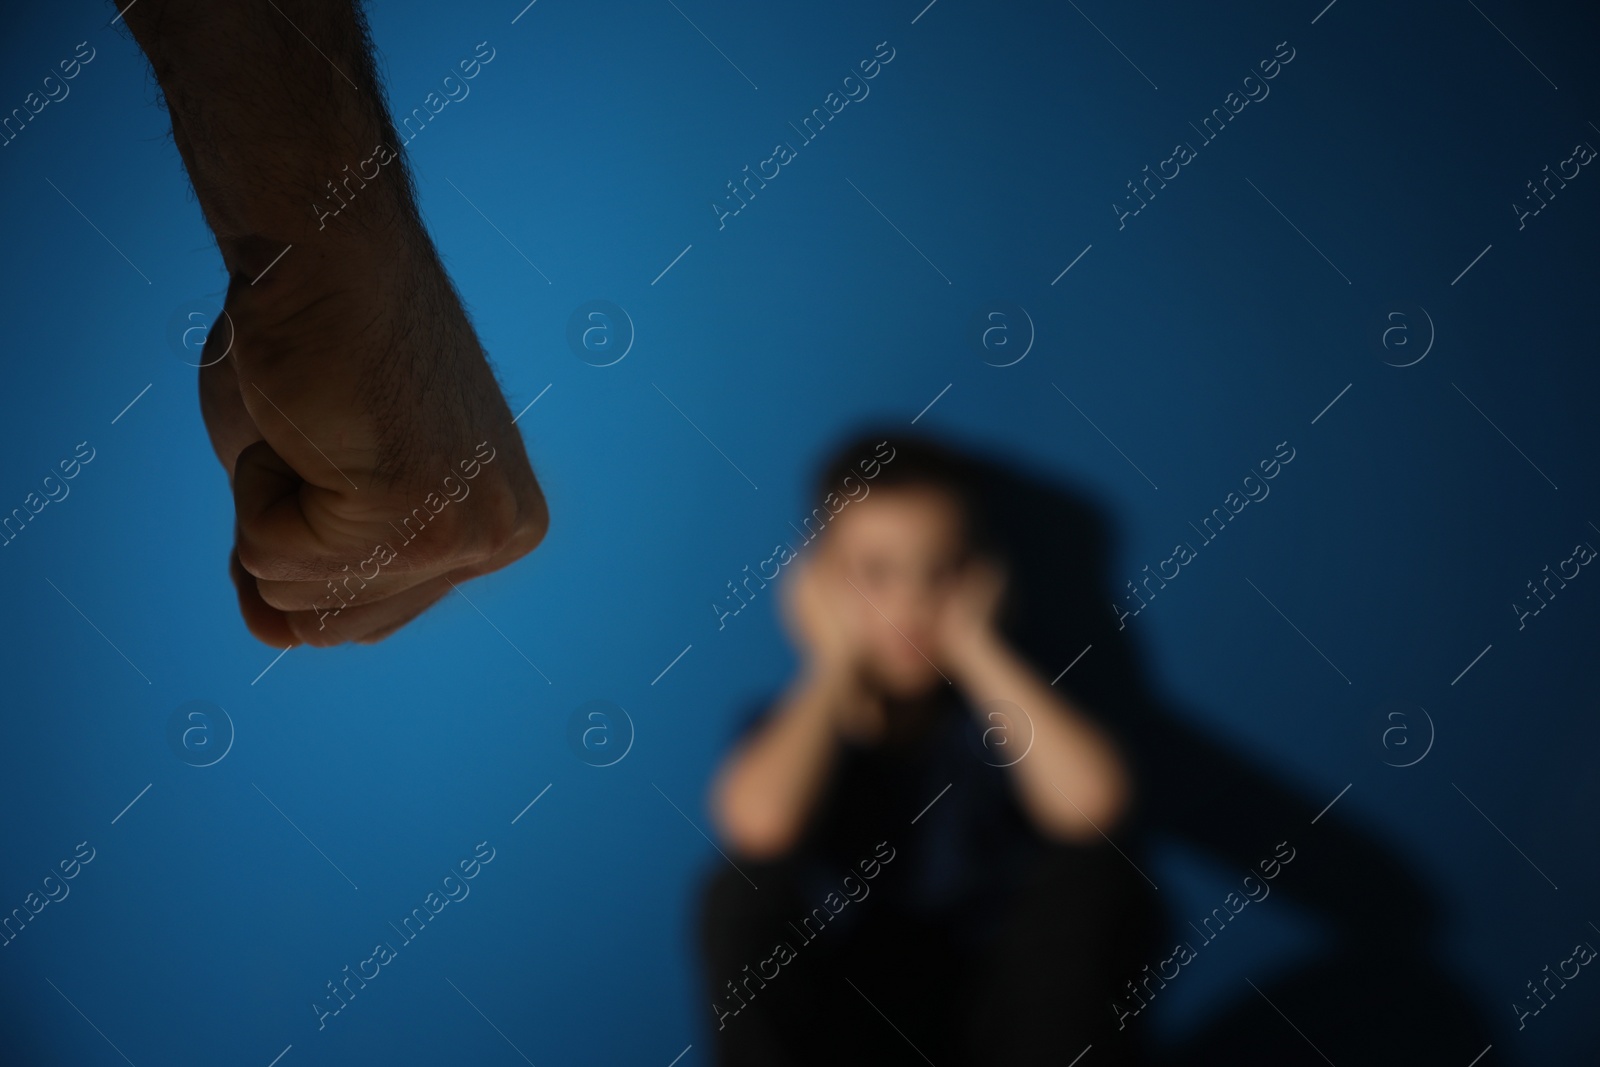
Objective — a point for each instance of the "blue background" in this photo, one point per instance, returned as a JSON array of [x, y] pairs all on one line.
[[1196, 338]]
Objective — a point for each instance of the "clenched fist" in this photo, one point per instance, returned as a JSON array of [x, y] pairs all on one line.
[[372, 455]]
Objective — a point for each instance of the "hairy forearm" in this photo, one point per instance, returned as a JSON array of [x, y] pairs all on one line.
[[346, 381], [771, 785], [271, 101], [1073, 782]]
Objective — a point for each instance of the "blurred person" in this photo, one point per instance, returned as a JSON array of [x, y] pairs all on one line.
[[916, 826], [372, 457]]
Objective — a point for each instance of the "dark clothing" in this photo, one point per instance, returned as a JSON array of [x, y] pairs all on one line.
[[975, 941]]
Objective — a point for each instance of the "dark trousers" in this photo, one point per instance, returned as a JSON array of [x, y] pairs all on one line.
[[1036, 986]]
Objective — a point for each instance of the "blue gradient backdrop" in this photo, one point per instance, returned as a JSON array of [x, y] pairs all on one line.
[[1195, 338]]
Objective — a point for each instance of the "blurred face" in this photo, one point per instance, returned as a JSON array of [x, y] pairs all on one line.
[[902, 549]]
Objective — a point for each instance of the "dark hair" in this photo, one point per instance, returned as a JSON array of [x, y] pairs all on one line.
[[915, 461]]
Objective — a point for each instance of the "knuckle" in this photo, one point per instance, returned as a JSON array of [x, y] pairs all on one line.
[[496, 519], [254, 558], [272, 564], [308, 629], [520, 522], [493, 522], [279, 595]]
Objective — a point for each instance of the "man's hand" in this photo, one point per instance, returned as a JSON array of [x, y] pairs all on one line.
[[823, 616], [373, 458], [967, 626]]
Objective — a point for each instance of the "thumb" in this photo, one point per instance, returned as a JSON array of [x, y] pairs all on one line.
[[276, 539]]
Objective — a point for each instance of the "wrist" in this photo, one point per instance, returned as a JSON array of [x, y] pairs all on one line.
[[277, 251], [364, 226], [834, 676], [971, 657], [278, 140]]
